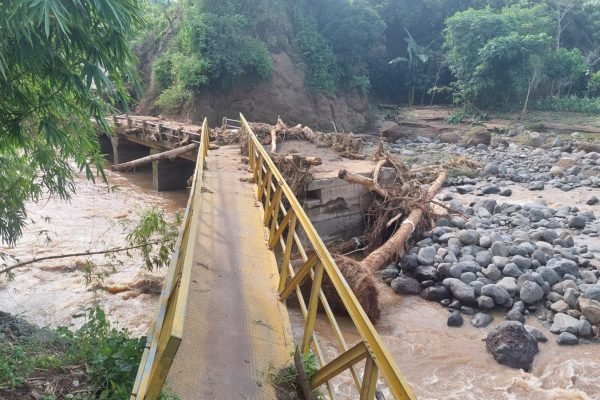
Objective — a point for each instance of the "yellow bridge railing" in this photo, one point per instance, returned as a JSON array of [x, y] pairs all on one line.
[[166, 329], [285, 219]]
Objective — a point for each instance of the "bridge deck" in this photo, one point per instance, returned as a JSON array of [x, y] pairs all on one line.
[[235, 327]]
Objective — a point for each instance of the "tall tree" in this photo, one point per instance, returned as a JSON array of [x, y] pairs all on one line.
[[63, 63]]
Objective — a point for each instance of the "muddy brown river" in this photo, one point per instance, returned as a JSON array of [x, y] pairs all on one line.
[[439, 362]]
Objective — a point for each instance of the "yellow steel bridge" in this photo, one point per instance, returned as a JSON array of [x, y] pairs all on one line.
[[222, 319]]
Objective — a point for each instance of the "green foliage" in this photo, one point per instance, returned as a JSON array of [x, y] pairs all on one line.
[[571, 103], [503, 56], [594, 84], [216, 46], [60, 61], [105, 359], [335, 39], [156, 236]]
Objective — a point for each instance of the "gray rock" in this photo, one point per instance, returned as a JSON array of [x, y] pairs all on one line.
[[485, 302], [426, 273], [562, 267], [515, 315], [522, 262], [491, 169], [590, 308], [564, 323], [500, 262], [492, 272], [531, 292], [588, 277], [567, 338], [536, 333], [577, 222], [389, 274], [584, 329], [561, 287], [554, 297], [469, 266], [481, 320], [512, 345], [484, 258], [435, 293], [499, 295], [512, 270], [540, 256], [548, 274], [593, 292], [409, 263], [536, 185], [461, 291], [454, 245], [455, 319], [506, 193], [592, 201], [406, 285], [477, 285], [560, 306], [426, 255], [537, 139], [571, 295], [468, 236], [509, 284], [468, 277], [499, 249]]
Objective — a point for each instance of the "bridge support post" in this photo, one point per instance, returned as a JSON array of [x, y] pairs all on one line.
[[170, 175], [125, 151]]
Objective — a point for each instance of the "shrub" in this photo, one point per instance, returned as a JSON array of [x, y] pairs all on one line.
[[572, 103]]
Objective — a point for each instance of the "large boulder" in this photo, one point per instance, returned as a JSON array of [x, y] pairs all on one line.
[[391, 130], [512, 345], [536, 139], [481, 137], [449, 137]]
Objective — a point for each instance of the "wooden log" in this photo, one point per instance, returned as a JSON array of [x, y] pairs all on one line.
[[394, 247], [170, 154], [303, 381], [304, 159], [362, 180]]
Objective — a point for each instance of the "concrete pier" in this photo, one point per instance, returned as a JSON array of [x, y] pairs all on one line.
[[170, 174], [125, 150]]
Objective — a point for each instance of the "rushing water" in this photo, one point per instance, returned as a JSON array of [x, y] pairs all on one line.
[[439, 362], [54, 292]]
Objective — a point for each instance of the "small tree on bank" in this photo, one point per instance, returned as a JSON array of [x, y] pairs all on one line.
[[63, 63]]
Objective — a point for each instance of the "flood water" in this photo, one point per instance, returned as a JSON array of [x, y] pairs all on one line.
[[439, 362], [54, 292]]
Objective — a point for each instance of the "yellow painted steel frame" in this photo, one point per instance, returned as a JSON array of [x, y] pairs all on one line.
[[166, 328], [284, 214]]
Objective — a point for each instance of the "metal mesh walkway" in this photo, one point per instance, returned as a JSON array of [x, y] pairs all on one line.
[[235, 327]]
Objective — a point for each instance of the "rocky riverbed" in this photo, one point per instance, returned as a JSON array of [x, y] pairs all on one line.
[[524, 244]]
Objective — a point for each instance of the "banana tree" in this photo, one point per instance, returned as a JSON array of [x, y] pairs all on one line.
[[417, 55]]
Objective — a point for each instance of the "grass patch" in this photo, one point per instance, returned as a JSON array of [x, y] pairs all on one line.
[[285, 380], [93, 362]]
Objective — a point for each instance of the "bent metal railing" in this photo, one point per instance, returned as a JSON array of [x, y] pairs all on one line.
[[284, 217], [166, 329]]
